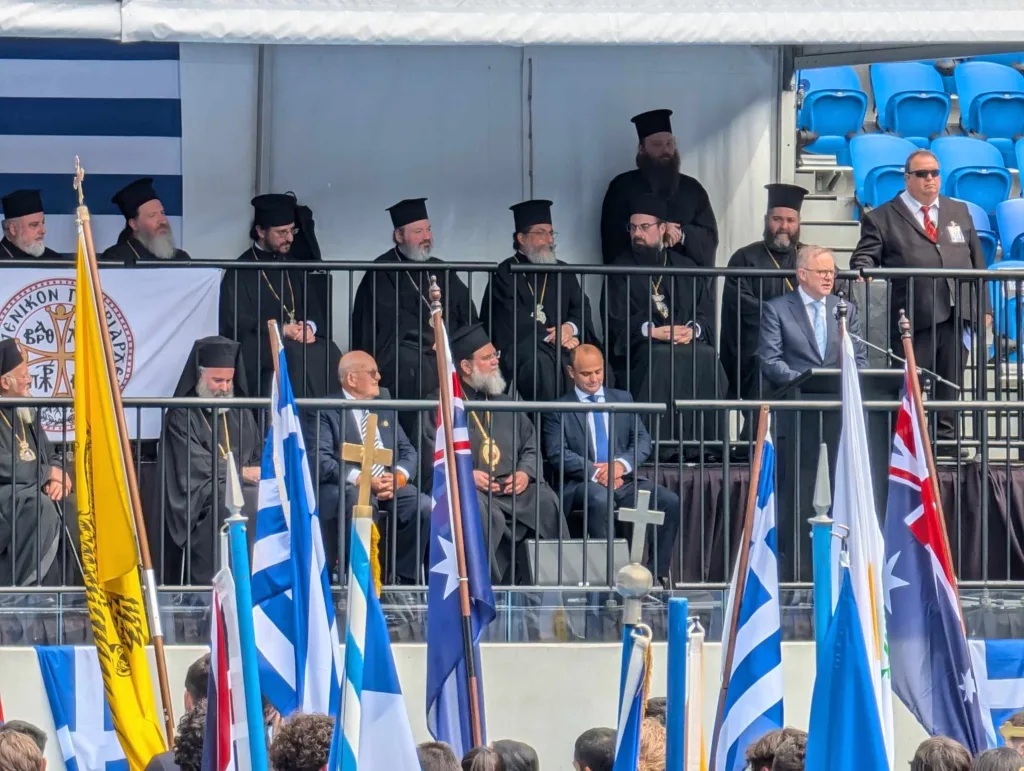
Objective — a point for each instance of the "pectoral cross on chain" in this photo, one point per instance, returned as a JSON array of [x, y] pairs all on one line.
[[641, 517], [366, 455]]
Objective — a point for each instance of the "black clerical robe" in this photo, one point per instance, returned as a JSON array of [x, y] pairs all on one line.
[[391, 320], [742, 298], [187, 451], [30, 522], [536, 510], [688, 206], [8, 251], [660, 371], [251, 298], [130, 251], [510, 312]]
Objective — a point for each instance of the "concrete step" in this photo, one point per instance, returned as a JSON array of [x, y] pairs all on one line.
[[828, 207], [842, 235]]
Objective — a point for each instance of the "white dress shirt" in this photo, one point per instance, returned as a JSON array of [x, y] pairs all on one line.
[[353, 473], [583, 396], [915, 208]]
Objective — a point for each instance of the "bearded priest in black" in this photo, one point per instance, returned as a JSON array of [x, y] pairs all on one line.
[[664, 323], [147, 235], [191, 451], [391, 313], [536, 319], [25, 228], [690, 227], [742, 298], [251, 298]]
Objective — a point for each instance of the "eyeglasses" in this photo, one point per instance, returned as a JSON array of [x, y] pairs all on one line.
[[491, 356], [543, 233], [371, 372], [823, 273], [924, 173], [631, 228]]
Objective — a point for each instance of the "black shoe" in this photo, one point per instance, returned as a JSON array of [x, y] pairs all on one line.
[[951, 452]]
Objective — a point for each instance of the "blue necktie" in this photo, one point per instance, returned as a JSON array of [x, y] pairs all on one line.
[[600, 433], [820, 334]]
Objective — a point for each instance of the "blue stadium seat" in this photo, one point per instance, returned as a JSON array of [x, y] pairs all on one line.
[[1020, 154], [910, 100], [983, 227], [878, 163], [1003, 296], [972, 170], [1010, 219], [1010, 60], [833, 107], [992, 104]]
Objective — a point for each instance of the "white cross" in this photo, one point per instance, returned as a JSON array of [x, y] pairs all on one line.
[[90, 743], [641, 517]]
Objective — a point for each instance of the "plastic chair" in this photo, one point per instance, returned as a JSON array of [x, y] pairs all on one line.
[[878, 163], [1020, 154], [1010, 220], [992, 103], [910, 100], [1003, 299], [983, 227], [972, 170], [1009, 60], [833, 107]]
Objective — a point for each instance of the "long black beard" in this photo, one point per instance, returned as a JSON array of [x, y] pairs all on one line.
[[648, 255], [663, 175], [769, 241]]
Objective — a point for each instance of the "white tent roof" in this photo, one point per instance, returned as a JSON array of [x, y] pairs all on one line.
[[522, 22]]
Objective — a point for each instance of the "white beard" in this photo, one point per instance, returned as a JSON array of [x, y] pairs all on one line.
[[492, 385], [27, 414], [33, 248], [161, 245], [415, 253], [542, 256], [205, 393]]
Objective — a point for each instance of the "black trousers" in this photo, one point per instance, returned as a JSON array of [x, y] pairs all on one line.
[[941, 350]]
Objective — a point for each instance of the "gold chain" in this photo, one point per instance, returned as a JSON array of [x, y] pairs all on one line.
[[291, 289], [789, 284]]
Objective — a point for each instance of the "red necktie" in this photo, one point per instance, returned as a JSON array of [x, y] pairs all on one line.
[[929, 226]]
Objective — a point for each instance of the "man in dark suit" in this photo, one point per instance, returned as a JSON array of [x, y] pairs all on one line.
[[799, 330], [579, 444], [921, 229], [403, 506]]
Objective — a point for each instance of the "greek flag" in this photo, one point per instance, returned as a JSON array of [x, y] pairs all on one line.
[[116, 106], [78, 703], [753, 699], [636, 645], [999, 672], [293, 612]]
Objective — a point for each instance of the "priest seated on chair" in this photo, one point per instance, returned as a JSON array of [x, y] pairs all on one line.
[[514, 500], [34, 492], [191, 452], [401, 509]]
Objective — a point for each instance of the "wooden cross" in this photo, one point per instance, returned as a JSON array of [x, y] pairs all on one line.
[[367, 455], [79, 176], [641, 517]]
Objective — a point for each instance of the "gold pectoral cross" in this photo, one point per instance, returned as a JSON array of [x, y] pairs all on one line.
[[366, 455]]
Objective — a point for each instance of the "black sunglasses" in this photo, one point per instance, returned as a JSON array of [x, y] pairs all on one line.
[[925, 173]]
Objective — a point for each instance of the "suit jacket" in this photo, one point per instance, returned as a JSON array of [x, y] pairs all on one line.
[[332, 434], [787, 346], [632, 442], [891, 238]]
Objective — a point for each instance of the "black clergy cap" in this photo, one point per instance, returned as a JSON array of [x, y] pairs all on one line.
[[652, 122], [133, 195], [409, 210], [217, 352], [21, 203], [10, 355], [530, 213], [467, 341], [785, 196], [274, 210], [648, 203]]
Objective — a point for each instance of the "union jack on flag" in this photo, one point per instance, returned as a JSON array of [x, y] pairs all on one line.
[[928, 653]]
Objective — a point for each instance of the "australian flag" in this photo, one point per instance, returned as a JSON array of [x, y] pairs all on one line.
[[928, 654], [448, 715]]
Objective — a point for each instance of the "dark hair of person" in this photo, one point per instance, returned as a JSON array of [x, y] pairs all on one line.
[[657, 708], [791, 754], [482, 759], [516, 756], [303, 743], [998, 759], [940, 753], [197, 679], [437, 756], [32, 731], [761, 754], [595, 749], [188, 740]]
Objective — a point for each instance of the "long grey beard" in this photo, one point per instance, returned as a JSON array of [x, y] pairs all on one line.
[[543, 256], [206, 393], [416, 253], [33, 248], [161, 245], [492, 385], [27, 414]]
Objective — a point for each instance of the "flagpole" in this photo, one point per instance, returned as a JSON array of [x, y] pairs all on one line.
[[933, 478], [675, 714], [445, 395], [741, 572], [141, 540]]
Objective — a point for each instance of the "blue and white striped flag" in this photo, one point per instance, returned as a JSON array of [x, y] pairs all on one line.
[[293, 612], [117, 106], [753, 699], [632, 696], [999, 673]]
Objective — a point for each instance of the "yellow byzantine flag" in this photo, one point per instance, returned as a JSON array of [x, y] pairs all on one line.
[[109, 551]]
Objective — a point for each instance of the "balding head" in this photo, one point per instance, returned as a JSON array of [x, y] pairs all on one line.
[[587, 368], [358, 375]]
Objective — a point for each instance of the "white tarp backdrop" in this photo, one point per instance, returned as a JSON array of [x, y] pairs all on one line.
[[154, 316]]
